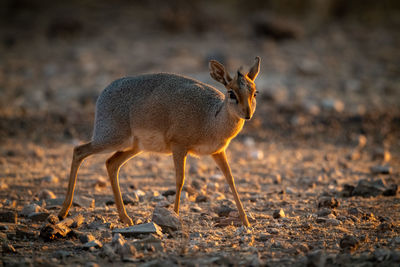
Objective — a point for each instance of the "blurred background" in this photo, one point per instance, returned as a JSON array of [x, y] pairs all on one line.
[[330, 68]]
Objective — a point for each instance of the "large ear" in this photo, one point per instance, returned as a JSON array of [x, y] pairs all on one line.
[[217, 71], [254, 70]]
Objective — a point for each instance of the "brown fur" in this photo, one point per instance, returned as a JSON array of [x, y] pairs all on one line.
[[168, 113]]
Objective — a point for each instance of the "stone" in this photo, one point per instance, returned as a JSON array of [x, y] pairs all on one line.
[[166, 219], [46, 194], [278, 214], [349, 243], [51, 179], [8, 248], [108, 251], [316, 258], [150, 243], [8, 216], [332, 105], [328, 202], [202, 198], [141, 194], [224, 210], [84, 202], [54, 203], [30, 208], [169, 192], [366, 188], [92, 244], [391, 190], [83, 237], [136, 230], [38, 216], [26, 234], [324, 212], [130, 199], [381, 154], [62, 228], [381, 169]]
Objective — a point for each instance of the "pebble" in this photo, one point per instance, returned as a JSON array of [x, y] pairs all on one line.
[[381, 169], [83, 237], [166, 218], [135, 230], [8, 248], [324, 212], [202, 198], [381, 154], [278, 214], [92, 244], [46, 194], [349, 242], [328, 202], [141, 194], [366, 188], [84, 202], [131, 198], [169, 192], [38, 216], [332, 105], [257, 154], [8, 216], [29, 209], [54, 203], [51, 179], [316, 258], [224, 210], [390, 191], [3, 185]]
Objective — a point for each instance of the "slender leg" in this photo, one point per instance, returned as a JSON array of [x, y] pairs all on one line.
[[179, 154], [114, 164], [220, 159], [80, 153]]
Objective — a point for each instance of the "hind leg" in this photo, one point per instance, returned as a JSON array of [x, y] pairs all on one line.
[[80, 153], [114, 164]]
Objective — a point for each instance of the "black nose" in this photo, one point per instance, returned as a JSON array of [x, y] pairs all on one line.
[[247, 117]]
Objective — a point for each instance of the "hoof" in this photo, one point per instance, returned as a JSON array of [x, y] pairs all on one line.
[[127, 221]]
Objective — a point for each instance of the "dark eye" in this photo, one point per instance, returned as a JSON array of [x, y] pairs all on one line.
[[232, 96], [255, 94]]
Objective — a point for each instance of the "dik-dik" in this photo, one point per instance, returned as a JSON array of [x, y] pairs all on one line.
[[168, 113]]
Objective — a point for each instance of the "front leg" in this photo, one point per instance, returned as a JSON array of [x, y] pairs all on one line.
[[179, 154], [222, 162]]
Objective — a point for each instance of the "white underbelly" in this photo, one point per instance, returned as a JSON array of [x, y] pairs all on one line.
[[151, 141]]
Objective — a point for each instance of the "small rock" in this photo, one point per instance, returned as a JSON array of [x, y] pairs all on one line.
[[100, 183], [166, 218], [169, 192], [366, 188], [92, 244], [202, 198], [328, 202], [390, 191], [83, 237], [273, 231], [257, 154], [224, 210], [26, 233], [131, 198], [8, 216], [30, 208], [381, 169], [212, 187], [349, 243], [3, 185], [141, 194], [61, 254], [38, 216], [277, 179], [8, 248], [381, 154], [278, 214], [46, 194], [53, 219], [84, 202], [108, 251], [324, 212], [362, 141], [385, 227], [263, 237], [150, 243], [54, 203], [332, 105], [135, 230], [51, 179], [316, 258]]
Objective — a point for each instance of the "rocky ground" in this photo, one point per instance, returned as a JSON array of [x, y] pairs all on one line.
[[317, 169]]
